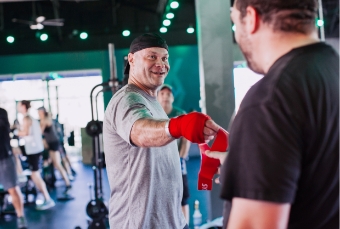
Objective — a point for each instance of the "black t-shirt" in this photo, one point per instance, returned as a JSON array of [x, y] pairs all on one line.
[[5, 147], [284, 140]]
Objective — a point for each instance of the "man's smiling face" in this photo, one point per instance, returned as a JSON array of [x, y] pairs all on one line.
[[150, 66]]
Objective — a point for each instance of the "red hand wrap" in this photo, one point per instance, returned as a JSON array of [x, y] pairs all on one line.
[[209, 166], [189, 126]]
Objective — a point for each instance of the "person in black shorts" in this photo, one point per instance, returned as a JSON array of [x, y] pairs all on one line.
[[30, 131], [8, 174], [166, 98], [52, 140], [282, 170]]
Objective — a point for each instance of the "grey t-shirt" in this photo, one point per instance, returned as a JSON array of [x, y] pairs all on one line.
[[146, 183]]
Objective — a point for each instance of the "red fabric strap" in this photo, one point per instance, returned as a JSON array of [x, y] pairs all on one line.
[[190, 126], [209, 166]]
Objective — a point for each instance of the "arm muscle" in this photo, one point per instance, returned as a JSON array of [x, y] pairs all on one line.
[[255, 214], [149, 133]]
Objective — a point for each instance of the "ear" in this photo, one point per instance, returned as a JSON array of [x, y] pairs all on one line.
[[252, 20], [131, 58]]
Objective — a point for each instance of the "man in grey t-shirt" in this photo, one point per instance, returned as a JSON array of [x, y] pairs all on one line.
[[141, 155]]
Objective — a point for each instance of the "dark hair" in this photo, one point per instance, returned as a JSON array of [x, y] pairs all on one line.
[[44, 110], [26, 103], [284, 15], [4, 117]]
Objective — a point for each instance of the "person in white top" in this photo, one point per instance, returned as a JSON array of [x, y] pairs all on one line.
[[31, 133]]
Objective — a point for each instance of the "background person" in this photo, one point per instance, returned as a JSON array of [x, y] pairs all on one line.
[[282, 170], [166, 98], [31, 133], [8, 174], [140, 152], [52, 140]]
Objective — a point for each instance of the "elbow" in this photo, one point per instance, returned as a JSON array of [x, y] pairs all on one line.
[[139, 141]]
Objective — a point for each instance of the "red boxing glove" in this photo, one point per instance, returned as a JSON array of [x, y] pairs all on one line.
[[209, 166], [190, 126]]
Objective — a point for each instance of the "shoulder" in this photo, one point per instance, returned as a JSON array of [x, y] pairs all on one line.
[[288, 76], [127, 96]]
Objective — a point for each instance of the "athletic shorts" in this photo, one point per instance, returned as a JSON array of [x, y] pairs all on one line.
[[53, 146], [8, 173], [185, 190], [34, 161]]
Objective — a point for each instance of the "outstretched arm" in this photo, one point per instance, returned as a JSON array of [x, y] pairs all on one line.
[[152, 133]]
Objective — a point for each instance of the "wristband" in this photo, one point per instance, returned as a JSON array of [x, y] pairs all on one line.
[[209, 166]]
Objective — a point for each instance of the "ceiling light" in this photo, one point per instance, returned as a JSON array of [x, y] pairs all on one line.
[[170, 15], [83, 35], [163, 30], [43, 37], [319, 22], [166, 22], [10, 39], [40, 26], [174, 5], [126, 33], [40, 19], [190, 29]]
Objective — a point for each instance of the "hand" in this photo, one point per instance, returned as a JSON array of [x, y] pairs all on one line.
[[210, 130], [220, 156], [217, 155], [195, 126]]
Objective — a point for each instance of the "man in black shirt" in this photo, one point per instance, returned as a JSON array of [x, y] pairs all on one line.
[[282, 170], [8, 175]]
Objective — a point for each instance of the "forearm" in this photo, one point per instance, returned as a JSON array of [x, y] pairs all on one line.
[[185, 145], [149, 133]]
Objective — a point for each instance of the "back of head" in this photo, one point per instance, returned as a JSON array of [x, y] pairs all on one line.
[[4, 117], [26, 103], [284, 15]]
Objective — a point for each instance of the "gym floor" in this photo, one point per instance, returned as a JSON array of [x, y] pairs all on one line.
[[70, 214]]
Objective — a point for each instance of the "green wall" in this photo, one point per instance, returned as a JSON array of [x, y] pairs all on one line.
[[183, 75]]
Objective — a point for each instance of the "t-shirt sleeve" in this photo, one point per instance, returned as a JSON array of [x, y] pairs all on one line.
[[264, 159], [128, 110]]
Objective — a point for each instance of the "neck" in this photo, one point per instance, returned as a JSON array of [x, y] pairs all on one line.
[[150, 91], [279, 44], [168, 109]]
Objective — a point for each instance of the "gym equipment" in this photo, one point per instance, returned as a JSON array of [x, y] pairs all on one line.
[[209, 166], [96, 209]]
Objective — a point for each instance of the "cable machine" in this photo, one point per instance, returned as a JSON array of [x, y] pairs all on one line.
[[96, 209]]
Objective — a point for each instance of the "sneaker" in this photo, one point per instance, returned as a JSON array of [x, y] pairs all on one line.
[[67, 190], [46, 205], [21, 222], [71, 177]]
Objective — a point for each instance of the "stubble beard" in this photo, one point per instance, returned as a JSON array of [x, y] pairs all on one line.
[[247, 50]]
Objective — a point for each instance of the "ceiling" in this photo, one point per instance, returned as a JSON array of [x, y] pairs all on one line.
[[104, 21]]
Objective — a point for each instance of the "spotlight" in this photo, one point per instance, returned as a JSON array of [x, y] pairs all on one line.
[[43, 37], [126, 33], [170, 15], [83, 35], [163, 30], [190, 29], [174, 5], [10, 39], [166, 22]]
